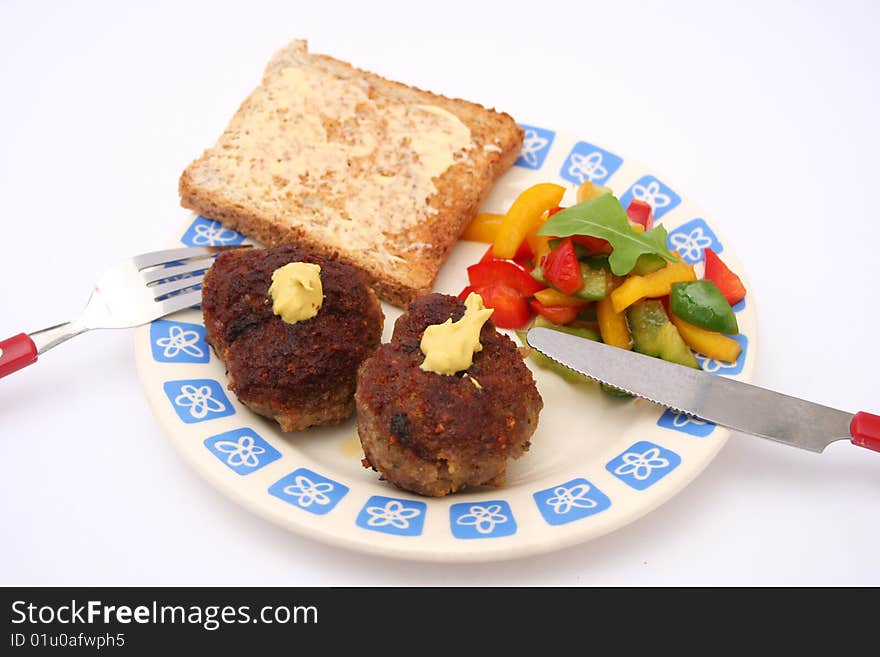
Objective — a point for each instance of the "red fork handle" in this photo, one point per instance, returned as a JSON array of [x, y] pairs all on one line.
[[16, 352], [865, 430]]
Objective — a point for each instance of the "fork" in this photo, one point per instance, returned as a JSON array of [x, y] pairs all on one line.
[[134, 292]]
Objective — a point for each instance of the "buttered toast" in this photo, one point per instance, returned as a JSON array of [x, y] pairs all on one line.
[[343, 161]]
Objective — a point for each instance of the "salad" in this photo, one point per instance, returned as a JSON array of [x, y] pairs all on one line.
[[603, 272]]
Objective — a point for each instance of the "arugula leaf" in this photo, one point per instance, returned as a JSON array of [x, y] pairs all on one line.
[[604, 217]]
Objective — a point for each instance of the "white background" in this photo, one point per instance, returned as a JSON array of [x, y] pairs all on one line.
[[763, 113]]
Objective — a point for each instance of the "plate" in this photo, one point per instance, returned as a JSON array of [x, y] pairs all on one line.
[[596, 463]]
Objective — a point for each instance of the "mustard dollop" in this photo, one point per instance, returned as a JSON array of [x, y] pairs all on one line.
[[296, 291], [450, 347]]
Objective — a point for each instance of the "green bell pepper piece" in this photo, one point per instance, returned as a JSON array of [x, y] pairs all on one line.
[[654, 335], [580, 331], [648, 263], [597, 262], [614, 392], [702, 304], [595, 283]]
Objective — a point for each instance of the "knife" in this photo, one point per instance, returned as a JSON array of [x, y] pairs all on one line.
[[726, 402]]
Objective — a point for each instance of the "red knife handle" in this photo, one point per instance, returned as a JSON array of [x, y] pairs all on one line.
[[16, 352], [865, 430]]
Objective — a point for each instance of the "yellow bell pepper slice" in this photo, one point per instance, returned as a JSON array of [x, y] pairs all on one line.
[[655, 284], [484, 228], [551, 297], [522, 216], [612, 325], [709, 343], [589, 191], [539, 244]]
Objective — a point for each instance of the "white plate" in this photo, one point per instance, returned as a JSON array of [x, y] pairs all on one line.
[[595, 464]]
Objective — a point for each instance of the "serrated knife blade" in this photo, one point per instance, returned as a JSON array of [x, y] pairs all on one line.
[[733, 404]]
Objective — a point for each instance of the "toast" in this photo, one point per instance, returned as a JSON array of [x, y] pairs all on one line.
[[343, 161]]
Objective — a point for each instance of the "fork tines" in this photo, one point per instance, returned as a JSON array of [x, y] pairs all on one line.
[[170, 274], [175, 256]]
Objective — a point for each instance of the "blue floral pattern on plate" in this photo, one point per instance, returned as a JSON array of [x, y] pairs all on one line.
[[178, 342], [309, 491], [570, 501], [589, 162], [242, 450], [685, 424], [653, 191], [198, 400], [643, 464], [392, 516], [209, 232], [536, 145], [690, 239], [482, 520]]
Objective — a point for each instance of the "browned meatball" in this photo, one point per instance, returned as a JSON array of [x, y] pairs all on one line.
[[300, 374], [434, 434]]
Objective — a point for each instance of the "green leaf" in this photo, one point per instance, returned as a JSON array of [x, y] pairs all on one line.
[[604, 217]]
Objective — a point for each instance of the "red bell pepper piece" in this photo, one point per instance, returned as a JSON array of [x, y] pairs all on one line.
[[562, 269], [595, 245], [556, 314], [523, 254], [511, 309], [553, 211], [465, 292], [504, 272], [725, 280], [640, 212]]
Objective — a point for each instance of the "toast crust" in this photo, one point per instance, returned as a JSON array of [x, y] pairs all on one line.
[[400, 256]]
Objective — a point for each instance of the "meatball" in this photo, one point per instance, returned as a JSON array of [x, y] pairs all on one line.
[[434, 434], [300, 374]]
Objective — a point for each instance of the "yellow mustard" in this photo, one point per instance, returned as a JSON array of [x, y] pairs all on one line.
[[296, 291], [450, 347]]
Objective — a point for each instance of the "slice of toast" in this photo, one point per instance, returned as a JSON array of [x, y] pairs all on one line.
[[341, 160]]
